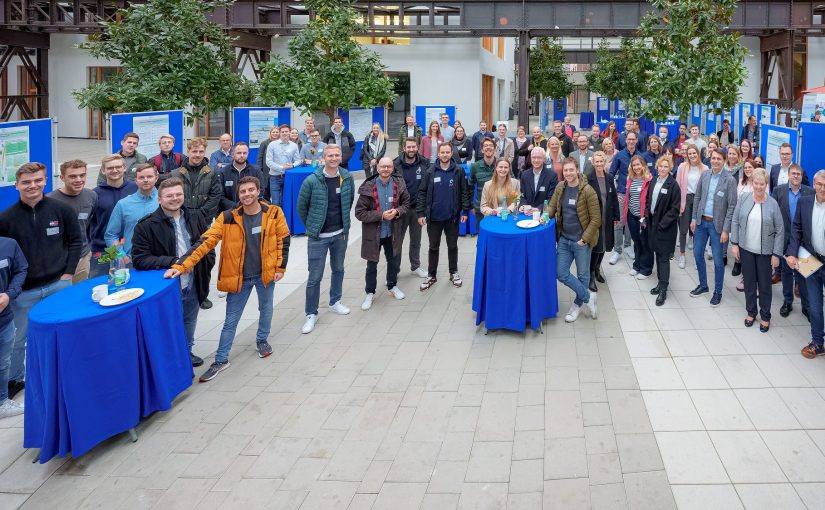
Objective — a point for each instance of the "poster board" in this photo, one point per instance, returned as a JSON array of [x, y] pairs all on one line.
[[602, 108], [811, 156], [424, 114], [22, 142], [695, 117], [252, 125], [619, 108], [743, 113], [766, 114], [810, 103], [771, 137], [672, 129], [149, 126], [712, 120], [359, 121]]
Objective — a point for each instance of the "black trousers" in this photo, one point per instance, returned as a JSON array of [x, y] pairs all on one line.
[[662, 269], [479, 217], [393, 266], [643, 263], [757, 271], [596, 260], [434, 231]]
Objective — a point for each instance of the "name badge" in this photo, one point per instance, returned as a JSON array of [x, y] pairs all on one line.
[[664, 191], [337, 191], [418, 177], [720, 193], [572, 201], [541, 188], [83, 216], [256, 230], [229, 183], [52, 231], [390, 199], [4, 263], [437, 179]]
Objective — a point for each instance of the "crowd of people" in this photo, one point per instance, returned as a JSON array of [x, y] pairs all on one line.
[[628, 194]]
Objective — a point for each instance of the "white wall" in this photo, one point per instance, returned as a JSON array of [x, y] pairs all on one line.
[[749, 93], [816, 62]]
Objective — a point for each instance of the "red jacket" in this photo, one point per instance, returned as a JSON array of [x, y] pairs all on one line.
[[642, 199]]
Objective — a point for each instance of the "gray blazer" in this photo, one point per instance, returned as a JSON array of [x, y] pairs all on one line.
[[773, 226], [724, 201], [588, 161]]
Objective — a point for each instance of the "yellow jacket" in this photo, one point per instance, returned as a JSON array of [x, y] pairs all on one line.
[[229, 228]]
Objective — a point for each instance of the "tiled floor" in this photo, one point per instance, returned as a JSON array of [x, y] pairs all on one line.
[[410, 405]]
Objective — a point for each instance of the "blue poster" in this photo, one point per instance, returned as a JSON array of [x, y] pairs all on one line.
[[696, 116], [811, 156], [149, 126], [771, 137], [602, 108], [744, 111], [252, 125], [425, 114], [22, 142], [359, 121]]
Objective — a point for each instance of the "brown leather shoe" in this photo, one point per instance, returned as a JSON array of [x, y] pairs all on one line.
[[776, 278], [811, 351]]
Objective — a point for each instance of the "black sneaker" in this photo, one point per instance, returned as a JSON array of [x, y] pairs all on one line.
[[196, 360], [456, 279], [16, 387], [206, 304], [215, 369], [716, 299], [698, 291], [264, 349], [427, 283], [786, 309]]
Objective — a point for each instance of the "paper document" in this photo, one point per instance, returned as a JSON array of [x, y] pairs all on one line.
[[808, 264]]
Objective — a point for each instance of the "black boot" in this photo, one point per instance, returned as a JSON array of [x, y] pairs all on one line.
[[599, 275], [737, 269], [655, 290], [660, 299], [592, 285]]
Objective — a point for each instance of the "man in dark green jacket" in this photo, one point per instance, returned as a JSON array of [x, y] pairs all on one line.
[[324, 205], [481, 172]]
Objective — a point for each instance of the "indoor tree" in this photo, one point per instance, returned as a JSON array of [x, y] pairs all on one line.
[[547, 76], [620, 74]]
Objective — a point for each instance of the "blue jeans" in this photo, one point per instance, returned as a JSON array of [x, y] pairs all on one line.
[[814, 284], [235, 303], [191, 307], [567, 252], [705, 230], [276, 189], [317, 249], [6, 343], [21, 308]]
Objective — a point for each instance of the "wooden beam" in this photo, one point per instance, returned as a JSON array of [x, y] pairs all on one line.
[[23, 39], [250, 40]]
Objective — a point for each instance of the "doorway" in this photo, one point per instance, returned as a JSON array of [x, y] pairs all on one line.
[[400, 108], [487, 99]]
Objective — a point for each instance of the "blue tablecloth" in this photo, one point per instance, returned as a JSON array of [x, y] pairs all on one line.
[[469, 226], [92, 372], [293, 178], [515, 279], [586, 120]]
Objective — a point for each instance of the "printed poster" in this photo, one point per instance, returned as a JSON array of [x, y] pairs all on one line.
[[260, 122], [431, 114], [810, 104], [14, 152], [360, 123], [775, 140], [150, 128]]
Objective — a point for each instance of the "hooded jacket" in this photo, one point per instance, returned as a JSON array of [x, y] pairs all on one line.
[[369, 213]]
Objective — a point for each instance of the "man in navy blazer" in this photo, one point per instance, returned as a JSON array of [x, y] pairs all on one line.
[[808, 232], [779, 172], [539, 184], [788, 196]]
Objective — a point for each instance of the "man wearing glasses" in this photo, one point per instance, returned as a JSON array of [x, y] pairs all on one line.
[[313, 150], [108, 194]]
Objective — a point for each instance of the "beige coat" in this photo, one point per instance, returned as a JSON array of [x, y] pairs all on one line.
[[490, 203]]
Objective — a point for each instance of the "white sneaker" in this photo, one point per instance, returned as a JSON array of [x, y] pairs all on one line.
[[367, 304], [633, 272], [573, 313], [420, 271], [690, 243], [10, 408], [339, 308], [397, 294], [309, 325], [630, 253], [614, 258], [681, 261], [591, 305], [641, 276], [221, 294]]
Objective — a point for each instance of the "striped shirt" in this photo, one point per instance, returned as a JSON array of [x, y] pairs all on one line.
[[635, 196]]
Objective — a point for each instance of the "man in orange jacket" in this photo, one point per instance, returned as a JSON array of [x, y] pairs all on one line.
[[254, 253]]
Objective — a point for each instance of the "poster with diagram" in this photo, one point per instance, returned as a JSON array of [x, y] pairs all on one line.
[[260, 122], [14, 152], [150, 128]]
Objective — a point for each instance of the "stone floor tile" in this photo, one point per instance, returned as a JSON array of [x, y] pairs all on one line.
[[706, 497], [721, 342], [720, 410], [689, 457], [525, 501], [595, 413], [463, 419], [700, 373], [567, 494], [671, 411], [812, 494], [608, 496], [797, 455], [600, 439], [448, 477], [780, 371], [489, 462], [185, 493], [497, 419], [456, 446], [657, 374], [431, 417], [350, 461], [766, 409], [684, 343], [565, 458], [628, 412], [807, 406], [400, 496], [278, 458], [414, 462], [604, 468], [638, 453], [593, 392], [526, 476], [530, 418], [646, 344], [746, 457], [251, 493], [439, 502], [528, 444], [620, 377], [329, 496], [304, 473], [771, 496], [483, 496], [23, 476], [648, 491], [13, 501], [563, 414]]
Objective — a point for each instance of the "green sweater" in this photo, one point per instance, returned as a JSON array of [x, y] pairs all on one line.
[[312, 201], [480, 173]]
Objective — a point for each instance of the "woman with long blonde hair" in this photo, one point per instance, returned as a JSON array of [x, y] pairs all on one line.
[[555, 156], [638, 178], [501, 188]]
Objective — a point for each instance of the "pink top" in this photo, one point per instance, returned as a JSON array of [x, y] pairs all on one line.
[[682, 179]]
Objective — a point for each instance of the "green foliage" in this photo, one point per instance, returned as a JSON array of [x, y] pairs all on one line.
[[173, 57], [326, 67], [547, 75], [620, 74], [690, 58]]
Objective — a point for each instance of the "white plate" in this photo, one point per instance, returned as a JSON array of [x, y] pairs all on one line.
[[528, 224], [122, 296]]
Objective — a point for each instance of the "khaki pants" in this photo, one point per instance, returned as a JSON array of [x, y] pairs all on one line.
[[81, 274]]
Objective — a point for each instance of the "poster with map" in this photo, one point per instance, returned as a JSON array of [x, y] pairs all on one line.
[[14, 151], [260, 122]]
